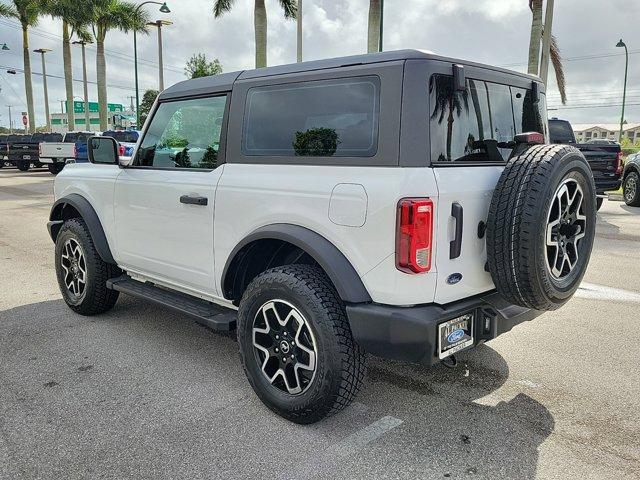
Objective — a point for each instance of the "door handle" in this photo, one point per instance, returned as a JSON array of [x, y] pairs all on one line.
[[455, 246], [194, 200]]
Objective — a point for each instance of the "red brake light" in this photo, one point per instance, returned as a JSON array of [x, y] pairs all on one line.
[[414, 235], [121, 150], [40, 149], [619, 163], [529, 137]]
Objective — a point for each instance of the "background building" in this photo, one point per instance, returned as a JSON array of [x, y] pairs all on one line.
[[118, 118], [587, 131]]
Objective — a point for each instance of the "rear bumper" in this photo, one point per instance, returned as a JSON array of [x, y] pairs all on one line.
[[410, 334], [607, 185]]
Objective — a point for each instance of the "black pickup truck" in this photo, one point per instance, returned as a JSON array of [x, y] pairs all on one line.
[[24, 150], [605, 158], [3, 150]]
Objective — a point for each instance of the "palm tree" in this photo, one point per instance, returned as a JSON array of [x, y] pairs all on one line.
[[27, 13], [449, 102], [554, 51], [290, 8], [373, 37], [108, 15], [75, 19]]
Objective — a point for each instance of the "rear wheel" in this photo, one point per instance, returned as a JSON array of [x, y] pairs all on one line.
[[23, 166], [631, 190], [55, 168], [296, 344], [82, 274], [541, 226]]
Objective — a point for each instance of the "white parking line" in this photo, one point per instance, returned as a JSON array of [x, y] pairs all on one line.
[[343, 449], [600, 292]]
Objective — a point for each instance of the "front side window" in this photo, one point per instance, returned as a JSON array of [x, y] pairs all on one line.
[[319, 118], [184, 134], [477, 123]]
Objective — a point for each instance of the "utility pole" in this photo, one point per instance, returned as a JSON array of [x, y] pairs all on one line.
[[299, 25], [159, 24], [42, 52], [87, 126], [624, 91], [131, 105], [10, 119], [381, 23], [546, 42]]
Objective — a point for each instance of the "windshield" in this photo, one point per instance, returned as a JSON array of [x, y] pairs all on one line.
[[125, 136]]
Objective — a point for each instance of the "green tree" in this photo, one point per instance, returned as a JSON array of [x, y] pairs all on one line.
[[111, 15], [290, 8], [27, 13], [75, 20], [148, 99], [199, 66]]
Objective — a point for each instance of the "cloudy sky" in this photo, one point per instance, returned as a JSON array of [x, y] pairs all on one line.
[[489, 31]]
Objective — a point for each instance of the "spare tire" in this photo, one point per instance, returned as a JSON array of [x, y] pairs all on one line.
[[541, 226]]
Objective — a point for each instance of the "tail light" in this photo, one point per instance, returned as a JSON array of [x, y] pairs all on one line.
[[39, 149], [619, 163], [121, 150], [75, 150], [414, 235]]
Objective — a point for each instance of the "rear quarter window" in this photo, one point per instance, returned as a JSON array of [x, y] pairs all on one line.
[[476, 124], [316, 118]]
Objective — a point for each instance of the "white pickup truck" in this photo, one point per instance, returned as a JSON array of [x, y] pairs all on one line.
[[73, 147]]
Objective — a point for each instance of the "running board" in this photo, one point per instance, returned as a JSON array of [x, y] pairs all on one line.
[[205, 313]]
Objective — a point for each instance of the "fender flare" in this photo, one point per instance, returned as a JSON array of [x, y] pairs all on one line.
[[337, 267], [90, 217]]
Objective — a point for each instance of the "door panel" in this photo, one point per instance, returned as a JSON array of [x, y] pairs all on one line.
[[157, 234]]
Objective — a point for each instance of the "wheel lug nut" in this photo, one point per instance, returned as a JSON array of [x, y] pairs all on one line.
[[293, 356], [285, 334], [277, 337], [276, 349]]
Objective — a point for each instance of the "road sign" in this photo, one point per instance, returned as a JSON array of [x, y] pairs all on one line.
[[78, 107], [25, 119]]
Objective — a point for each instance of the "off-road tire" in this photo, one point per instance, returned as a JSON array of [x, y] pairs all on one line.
[[340, 363], [517, 226], [599, 202], [631, 197], [23, 166], [55, 168], [97, 298]]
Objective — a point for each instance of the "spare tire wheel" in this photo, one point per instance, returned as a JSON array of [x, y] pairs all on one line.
[[541, 226]]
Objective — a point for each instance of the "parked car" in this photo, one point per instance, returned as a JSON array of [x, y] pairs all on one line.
[[631, 181], [357, 209], [24, 150], [127, 140], [72, 148], [604, 156], [3, 150]]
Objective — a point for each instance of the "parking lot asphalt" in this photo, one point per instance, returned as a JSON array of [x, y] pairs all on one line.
[[141, 392]]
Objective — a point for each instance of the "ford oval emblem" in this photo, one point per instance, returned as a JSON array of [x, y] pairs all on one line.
[[454, 278], [455, 335]]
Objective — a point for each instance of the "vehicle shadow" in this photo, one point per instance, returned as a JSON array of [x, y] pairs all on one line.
[[463, 418], [75, 389]]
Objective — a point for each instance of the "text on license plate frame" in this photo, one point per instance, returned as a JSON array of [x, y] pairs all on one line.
[[448, 344]]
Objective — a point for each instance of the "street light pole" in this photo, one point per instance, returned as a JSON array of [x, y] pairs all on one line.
[[624, 91], [85, 85], [42, 52], [10, 120], [299, 31], [163, 9], [159, 24], [381, 24]]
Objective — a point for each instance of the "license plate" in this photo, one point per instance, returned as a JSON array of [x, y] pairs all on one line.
[[455, 335], [26, 157]]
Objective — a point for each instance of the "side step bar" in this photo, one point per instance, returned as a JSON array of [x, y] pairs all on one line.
[[206, 313]]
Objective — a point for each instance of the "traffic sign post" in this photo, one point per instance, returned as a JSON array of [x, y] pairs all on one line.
[[25, 121]]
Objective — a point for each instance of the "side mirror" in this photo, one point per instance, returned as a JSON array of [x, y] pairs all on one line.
[[103, 150]]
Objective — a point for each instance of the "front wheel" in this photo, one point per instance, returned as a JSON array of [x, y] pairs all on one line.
[[82, 274], [296, 344], [630, 189]]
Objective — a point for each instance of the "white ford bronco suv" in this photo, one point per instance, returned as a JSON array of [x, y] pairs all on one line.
[[401, 204]]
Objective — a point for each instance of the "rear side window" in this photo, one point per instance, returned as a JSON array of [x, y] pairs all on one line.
[[184, 134], [317, 118], [477, 123]]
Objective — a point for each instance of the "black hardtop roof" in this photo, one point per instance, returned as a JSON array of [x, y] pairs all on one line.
[[224, 81]]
